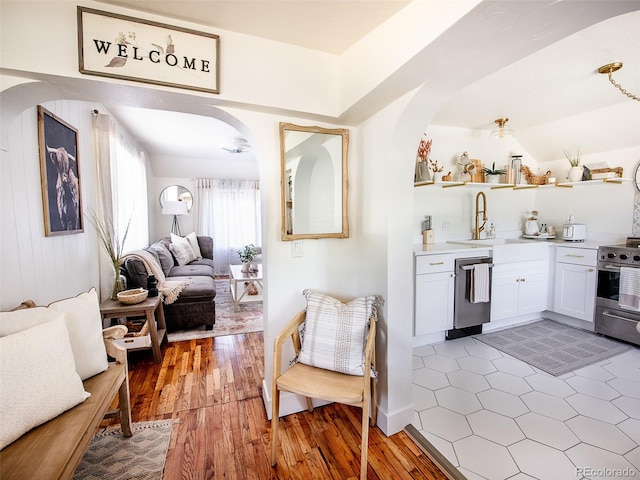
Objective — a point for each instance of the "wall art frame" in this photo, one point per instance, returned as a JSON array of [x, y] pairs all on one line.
[[59, 175], [118, 46]]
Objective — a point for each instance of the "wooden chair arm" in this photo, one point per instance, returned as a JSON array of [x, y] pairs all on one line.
[[291, 331]]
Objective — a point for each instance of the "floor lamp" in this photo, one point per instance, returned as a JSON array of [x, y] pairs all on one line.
[[175, 208]]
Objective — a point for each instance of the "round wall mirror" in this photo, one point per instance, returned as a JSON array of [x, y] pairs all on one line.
[[176, 193]]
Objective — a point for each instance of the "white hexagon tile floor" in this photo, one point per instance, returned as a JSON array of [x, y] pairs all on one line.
[[495, 417]]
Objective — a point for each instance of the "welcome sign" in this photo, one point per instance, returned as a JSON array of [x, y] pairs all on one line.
[[118, 46]]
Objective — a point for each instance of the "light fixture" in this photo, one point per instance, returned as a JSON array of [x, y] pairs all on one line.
[[608, 69], [503, 130], [236, 145], [175, 208]]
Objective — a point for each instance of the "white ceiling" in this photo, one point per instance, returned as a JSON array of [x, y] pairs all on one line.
[[555, 83]]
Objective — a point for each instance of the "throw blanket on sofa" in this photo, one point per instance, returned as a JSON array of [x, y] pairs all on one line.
[[170, 289]]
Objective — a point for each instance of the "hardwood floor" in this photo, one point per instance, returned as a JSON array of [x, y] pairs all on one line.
[[212, 388]]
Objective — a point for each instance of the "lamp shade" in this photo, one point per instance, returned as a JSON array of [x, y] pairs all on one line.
[[503, 129], [174, 208]]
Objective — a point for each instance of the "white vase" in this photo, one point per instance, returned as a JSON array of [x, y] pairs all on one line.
[[492, 178], [245, 267], [437, 176], [575, 174]]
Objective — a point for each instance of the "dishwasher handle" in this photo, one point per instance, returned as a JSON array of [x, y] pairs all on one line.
[[472, 267]]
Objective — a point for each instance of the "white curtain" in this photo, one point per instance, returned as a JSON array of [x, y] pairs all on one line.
[[122, 191], [229, 212]]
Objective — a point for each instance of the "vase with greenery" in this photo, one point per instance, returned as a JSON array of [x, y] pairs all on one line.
[[113, 246], [492, 174], [247, 254], [575, 172]]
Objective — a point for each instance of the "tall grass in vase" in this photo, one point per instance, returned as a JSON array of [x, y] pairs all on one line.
[[113, 247]]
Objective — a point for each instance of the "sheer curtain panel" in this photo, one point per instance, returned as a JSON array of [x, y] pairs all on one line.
[[229, 212]]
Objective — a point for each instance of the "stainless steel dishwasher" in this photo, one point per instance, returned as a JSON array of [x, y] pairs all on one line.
[[468, 317]]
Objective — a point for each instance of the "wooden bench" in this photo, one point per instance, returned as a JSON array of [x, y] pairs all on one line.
[[54, 449]]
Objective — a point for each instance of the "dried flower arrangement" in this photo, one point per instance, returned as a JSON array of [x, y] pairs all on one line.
[[435, 168]]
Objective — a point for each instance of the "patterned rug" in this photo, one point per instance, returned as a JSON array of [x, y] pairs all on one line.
[[552, 347], [111, 456], [248, 318]]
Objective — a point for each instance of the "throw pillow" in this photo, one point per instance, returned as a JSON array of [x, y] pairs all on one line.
[[84, 325], [85, 331], [335, 333], [165, 258], [39, 379], [193, 241], [182, 250]]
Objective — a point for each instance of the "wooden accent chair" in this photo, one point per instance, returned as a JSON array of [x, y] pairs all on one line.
[[313, 382]]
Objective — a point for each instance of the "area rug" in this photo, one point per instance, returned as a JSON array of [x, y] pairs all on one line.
[[247, 319], [112, 456], [552, 347]]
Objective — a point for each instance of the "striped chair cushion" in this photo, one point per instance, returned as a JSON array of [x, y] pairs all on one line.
[[335, 333]]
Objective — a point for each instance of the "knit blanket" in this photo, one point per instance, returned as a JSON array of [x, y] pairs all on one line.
[[170, 289]]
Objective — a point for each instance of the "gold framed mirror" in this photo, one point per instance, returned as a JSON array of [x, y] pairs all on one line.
[[314, 182]]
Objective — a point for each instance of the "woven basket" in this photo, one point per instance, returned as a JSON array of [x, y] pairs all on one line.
[[131, 297], [533, 179]]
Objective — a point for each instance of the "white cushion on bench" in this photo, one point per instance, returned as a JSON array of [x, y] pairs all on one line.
[[84, 325], [39, 379]]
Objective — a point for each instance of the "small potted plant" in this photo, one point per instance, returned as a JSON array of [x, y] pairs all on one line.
[[247, 254], [575, 172], [492, 174]]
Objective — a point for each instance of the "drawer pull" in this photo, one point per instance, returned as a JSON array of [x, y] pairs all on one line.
[[590, 270], [575, 256], [436, 263]]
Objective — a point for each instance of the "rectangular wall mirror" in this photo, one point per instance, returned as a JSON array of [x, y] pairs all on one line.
[[314, 182]]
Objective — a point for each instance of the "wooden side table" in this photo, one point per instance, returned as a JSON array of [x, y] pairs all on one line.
[[151, 308]]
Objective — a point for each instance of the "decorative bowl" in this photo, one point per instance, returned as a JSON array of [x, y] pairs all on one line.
[[133, 296]]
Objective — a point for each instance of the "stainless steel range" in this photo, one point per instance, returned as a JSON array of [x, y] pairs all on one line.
[[611, 318]]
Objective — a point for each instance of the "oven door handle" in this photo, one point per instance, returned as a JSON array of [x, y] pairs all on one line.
[[611, 267]]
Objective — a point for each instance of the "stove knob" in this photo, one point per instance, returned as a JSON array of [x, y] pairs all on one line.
[[623, 256], [636, 258], [611, 255]]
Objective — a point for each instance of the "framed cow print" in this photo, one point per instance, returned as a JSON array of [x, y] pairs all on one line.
[[59, 175]]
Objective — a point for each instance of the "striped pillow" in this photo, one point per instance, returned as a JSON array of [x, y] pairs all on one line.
[[335, 333]]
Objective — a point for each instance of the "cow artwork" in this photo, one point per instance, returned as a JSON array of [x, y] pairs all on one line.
[[60, 174]]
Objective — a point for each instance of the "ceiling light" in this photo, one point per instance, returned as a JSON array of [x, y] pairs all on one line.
[[236, 145], [503, 130], [608, 69]]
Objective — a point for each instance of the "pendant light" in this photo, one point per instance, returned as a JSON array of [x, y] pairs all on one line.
[[503, 130]]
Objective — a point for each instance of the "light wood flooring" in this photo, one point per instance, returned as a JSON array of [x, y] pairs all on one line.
[[212, 388]]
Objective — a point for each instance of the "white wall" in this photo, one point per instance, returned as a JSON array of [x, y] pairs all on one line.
[[33, 266]]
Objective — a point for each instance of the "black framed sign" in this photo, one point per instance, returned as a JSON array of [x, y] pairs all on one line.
[[118, 46], [59, 175]]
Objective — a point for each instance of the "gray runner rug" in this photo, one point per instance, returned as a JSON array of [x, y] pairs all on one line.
[[552, 347], [112, 456]]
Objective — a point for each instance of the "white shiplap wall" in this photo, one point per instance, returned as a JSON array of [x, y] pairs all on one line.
[[33, 266]]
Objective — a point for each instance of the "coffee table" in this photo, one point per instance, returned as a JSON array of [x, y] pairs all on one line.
[[241, 295]]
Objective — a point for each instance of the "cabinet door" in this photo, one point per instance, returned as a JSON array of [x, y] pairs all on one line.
[[504, 295], [575, 291], [532, 294], [433, 303]]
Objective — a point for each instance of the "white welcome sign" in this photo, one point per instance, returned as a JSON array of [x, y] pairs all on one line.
[[118, 46]]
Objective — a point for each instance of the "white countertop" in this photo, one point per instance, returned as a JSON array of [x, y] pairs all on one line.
[[446, 247]]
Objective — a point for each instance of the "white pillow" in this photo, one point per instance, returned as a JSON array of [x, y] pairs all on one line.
[[38, 377], [335, 333], [193, 241], [84, 323], [181, 249]]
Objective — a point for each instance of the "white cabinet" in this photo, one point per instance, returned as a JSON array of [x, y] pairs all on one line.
[[519, 289], [434, 289], [434, 303], [575, 282]]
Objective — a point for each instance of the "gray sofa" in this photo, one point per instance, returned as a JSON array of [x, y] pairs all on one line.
[[196, 304]]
